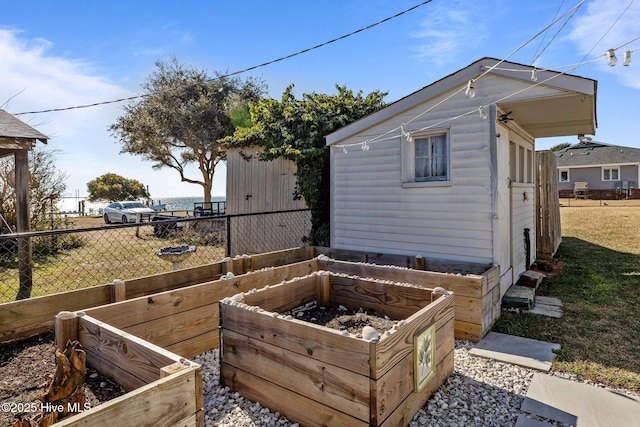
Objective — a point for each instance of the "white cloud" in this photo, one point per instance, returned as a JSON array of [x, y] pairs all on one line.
[[449, 27], [33, 79]]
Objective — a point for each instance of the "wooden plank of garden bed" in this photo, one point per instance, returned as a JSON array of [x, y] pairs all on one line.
[[195, 345], [165, 331], [162, 403], [469, 285], [279, 258], [298, 408], [398, 382], [412, 404], [330, 385], [284, 297], [171, 280], [144, 309], [396, 301], [20, 319], [129, 353], [324, 344], [440, 312]]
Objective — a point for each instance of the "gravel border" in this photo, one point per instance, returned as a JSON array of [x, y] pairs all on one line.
[[480, 392]]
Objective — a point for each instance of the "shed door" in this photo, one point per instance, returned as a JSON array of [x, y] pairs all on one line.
[[505, 249]]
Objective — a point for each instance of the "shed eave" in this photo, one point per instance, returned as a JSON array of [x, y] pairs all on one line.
[[540, 116]]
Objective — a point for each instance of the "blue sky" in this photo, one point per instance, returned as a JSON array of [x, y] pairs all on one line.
[[63, 53]]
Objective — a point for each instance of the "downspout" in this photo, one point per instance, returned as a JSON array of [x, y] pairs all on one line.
[[493, 153]]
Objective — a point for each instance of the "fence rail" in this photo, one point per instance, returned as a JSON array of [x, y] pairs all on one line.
[[74, 258]]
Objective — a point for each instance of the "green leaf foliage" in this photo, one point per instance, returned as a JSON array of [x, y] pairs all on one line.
[[182, 118], [112, 187], [295, 129]]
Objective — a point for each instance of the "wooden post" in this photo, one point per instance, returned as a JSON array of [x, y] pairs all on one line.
[[66, 329], [23, 224], [419, 263], [323, 289], [246, 264], [227, 266], [118, 291]]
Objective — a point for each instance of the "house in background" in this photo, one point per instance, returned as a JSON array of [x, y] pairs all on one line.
[[447, 175], [609, 171]]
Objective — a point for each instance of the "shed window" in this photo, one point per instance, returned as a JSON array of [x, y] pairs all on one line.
[[431, 158], [563, 175], [610, 174]]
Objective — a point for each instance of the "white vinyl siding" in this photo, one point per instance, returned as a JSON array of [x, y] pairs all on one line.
[[374, 210]]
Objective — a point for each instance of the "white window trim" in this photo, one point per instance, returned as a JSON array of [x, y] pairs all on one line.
[[409, 164], [568, 171], [609, 168]]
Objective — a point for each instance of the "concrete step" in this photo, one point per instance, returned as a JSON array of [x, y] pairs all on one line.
[[521, 297]]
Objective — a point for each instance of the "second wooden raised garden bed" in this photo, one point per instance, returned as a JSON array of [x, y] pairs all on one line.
[[319, 376]]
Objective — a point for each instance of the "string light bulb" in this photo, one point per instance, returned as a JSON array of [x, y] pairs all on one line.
[[471, 90], [365, 146], [344, 149], [611, 58], [483, 112], [534, 75], [626, 59]]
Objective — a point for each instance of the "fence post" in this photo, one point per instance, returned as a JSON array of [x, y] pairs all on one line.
[[228, 253]]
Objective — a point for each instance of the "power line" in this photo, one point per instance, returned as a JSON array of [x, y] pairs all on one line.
[[264, 64]]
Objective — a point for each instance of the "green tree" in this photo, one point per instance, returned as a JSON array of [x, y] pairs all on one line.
[[182, 117], [295, 129], [560, 146], [112, 187]]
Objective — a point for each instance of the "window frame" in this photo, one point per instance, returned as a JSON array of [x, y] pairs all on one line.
[[409, 159], [610, 169], [560, 172]]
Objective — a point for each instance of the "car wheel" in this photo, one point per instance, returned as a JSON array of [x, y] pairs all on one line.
[[106, 219], [124, 219]]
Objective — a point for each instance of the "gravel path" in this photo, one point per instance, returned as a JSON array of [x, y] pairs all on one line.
[[480, 392]]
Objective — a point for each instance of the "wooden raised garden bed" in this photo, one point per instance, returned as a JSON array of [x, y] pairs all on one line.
[[319, 376], [163, 389]]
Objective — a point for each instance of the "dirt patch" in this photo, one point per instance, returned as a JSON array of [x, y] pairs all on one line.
[[342, 318], [26, 366]]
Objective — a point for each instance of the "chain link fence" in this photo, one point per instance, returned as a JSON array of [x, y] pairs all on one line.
[[47, 262]]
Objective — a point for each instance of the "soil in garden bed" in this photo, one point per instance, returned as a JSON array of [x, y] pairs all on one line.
[[26, 367], [342, 318]]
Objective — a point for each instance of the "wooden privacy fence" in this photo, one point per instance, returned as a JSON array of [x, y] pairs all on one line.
[[548, 230]]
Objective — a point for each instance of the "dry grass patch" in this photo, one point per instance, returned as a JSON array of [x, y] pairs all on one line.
[[600, 289]]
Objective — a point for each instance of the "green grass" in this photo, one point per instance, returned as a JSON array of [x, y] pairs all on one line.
[[600, 289], [104, 256]]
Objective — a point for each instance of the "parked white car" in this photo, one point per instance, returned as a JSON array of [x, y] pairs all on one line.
[[125, 212]]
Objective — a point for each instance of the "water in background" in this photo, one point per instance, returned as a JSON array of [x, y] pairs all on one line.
[[70, 205]]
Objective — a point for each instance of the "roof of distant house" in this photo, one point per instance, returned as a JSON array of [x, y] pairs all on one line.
[[594, 153], [11, 127]]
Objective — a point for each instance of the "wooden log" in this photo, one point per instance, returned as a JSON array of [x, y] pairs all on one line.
[[65, 394]]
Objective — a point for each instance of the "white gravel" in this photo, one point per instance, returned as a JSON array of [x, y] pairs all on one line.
[[480, 392]]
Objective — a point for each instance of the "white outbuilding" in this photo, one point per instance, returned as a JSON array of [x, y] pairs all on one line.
[[448, 172]]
